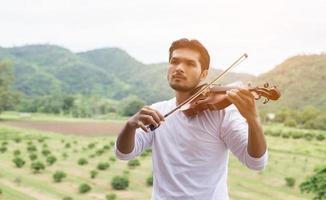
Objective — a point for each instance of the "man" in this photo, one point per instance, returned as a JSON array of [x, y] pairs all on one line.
[[190, 154]]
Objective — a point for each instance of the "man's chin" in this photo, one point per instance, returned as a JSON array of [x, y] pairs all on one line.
[[181, 88]]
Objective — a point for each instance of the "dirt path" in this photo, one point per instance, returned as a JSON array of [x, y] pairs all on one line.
[[76, 128]]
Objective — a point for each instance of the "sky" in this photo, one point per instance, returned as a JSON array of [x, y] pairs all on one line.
[[268, 31]]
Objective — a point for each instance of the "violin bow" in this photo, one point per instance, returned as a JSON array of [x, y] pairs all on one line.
[[199, 92]]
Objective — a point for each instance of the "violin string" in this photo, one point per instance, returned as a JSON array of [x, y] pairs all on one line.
[[237, 62]]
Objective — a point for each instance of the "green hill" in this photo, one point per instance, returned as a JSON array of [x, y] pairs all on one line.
[[301, 80]]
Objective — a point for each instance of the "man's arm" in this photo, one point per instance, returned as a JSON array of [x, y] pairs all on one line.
[[145, 116], [245, 103]]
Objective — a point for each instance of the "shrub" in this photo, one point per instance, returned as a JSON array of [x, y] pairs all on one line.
[[297, 135], [103, 166], [46, 152], [19, 162], [275, 132], [37, 166], [82, 161], [51, 160], [33, 156], [316, 183], [290, 122], [133, 163], [320, 137], [31, 148], [58, 176], [112, 158], [149, 180], [99, 152], [93, 173], [1, 192], [107, 147], [91, 145], [64, 155], [17, 152], [308, 136], [111, 196], [67, 145], [286, 134], [112, 143], [67, 198], [120, 182], [17, 140], [126, 172], [290, 181], [84, 188], [3, 149]]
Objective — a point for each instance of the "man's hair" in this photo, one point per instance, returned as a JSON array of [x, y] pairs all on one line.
[[195, 45]]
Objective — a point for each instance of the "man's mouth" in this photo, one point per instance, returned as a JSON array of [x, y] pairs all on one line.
[[179, 76]]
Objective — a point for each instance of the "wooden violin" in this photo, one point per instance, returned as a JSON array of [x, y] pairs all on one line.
[[214, 97]]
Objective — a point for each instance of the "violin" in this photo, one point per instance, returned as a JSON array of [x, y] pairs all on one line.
[[214, 97]]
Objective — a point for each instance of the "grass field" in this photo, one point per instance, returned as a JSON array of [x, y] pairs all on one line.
[[288, 158]]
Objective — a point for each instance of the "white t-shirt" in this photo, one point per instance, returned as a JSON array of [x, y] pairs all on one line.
[[190, 155]]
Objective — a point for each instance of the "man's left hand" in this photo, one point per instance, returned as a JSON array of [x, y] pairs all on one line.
[[244, 100]]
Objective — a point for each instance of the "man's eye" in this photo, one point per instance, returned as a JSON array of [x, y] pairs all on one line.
[[191, 64], [174, 62]]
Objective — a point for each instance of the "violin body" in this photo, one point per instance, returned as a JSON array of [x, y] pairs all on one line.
[[214, 98]]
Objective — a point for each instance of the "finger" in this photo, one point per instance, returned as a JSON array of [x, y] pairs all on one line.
[[157, 115], [235, 98], [246, 98], [246, 92], [148, 119], [153, 114], [142, 126]]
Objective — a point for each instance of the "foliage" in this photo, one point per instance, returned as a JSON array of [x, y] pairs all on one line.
[[58, 176], [51, 159], [149, 180], [82, 161], [290, 181], [103, 165], [84, 188], [19, 162], [67, 198], [37, 166], [130, 105], [93, 173], [8, 97], [133, 163], [111, 196], [316, 183], [120, 182]]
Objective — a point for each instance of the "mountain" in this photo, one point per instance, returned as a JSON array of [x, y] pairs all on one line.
[[301, 80], [108, 72]]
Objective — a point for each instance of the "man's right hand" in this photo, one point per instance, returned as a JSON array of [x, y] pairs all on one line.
[[145, 116]]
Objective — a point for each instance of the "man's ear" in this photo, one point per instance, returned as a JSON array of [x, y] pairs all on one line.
[[203, 75]]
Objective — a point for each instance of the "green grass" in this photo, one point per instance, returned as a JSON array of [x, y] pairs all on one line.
[[287, 157]]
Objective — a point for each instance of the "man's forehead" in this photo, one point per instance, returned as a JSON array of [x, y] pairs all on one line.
[[186, 54]]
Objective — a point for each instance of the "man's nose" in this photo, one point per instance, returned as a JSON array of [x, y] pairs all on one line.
[[180, 68]]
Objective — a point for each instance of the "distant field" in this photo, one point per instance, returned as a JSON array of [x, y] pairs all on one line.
[[288, 157]]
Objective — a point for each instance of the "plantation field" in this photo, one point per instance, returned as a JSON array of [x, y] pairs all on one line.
[[288, 158]]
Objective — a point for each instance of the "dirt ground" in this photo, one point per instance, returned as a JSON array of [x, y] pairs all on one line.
[[75, 128]]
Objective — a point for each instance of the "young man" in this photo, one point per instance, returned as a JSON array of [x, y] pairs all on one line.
[[190, 155]]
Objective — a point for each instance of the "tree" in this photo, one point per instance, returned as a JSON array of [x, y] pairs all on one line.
[[8, 98], [131, 105], [316, 183]]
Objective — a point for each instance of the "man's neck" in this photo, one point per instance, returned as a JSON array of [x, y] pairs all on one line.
[[181, 96]]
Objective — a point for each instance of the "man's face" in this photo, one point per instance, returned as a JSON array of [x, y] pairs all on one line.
[[184, 71]]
